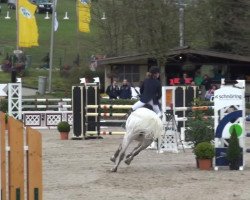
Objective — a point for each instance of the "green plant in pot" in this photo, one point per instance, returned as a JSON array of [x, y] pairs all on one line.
[[234, 151], [204, 153], [64, 129], [199, 128], [199, 125]]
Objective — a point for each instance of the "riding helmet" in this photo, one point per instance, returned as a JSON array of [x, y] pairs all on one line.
[[154, 70]]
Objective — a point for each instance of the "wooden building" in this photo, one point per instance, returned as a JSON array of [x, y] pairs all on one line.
[[176, 62]]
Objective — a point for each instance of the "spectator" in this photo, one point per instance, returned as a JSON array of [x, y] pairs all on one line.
[[192, 83], [185, 80], [207, 82], [218, 76], [113, 90], [125, 90], [198, 78], [210, 92]]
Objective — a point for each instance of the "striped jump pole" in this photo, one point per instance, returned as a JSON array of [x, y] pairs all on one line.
[[108, 106], [47, 100], [193, 108], [106, 114], [106, 132], [45, 106]]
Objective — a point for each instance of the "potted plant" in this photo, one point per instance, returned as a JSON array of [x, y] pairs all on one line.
[[64, 128], [205, 152], [234, 151], [199, 128]]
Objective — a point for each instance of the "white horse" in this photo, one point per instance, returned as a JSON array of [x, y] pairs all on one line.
[[142, 125]]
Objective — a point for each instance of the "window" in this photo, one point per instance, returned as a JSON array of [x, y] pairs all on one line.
[[129, 72]]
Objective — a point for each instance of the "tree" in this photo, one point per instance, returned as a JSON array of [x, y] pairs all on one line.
[[136, 26], [231, 32]]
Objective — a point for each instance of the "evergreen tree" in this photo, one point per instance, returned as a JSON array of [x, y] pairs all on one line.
[[231, 25]]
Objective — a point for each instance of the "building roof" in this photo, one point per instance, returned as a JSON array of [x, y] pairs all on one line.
[[143, 57]]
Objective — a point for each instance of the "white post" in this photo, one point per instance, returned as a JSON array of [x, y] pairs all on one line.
[[66, 16], [7, 15], [51, 45], [47, 16]]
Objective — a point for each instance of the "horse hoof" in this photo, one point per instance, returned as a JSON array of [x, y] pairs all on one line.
[[112, 159], [127, 156], [113, 170], [127, 162]]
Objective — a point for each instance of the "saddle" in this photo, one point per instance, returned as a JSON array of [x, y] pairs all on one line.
[[148, 106]]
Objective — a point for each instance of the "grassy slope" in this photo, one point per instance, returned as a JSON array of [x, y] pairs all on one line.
[[68, 42]]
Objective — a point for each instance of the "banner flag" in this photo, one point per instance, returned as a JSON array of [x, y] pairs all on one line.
[[56, 24], [28, 32], [83, 15]]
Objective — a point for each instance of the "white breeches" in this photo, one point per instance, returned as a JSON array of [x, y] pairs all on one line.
[[140, 104]]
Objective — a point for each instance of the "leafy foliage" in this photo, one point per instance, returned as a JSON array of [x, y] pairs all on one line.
[[4, 105], [204, 150], [234, 149], [199, 129], [63, 126]]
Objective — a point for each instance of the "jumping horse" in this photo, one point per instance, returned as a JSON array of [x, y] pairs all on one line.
[[142, 125]]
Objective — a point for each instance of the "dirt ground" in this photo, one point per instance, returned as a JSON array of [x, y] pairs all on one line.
[[79, 170]]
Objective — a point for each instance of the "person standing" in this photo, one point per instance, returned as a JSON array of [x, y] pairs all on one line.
[[207, 82], [125, 90], [113, 90], [150, 92], [198, 79]]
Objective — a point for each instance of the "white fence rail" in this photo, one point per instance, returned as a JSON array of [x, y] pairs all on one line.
[[46, 119]]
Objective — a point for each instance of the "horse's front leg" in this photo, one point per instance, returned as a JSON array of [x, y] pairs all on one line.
[[144, 144]]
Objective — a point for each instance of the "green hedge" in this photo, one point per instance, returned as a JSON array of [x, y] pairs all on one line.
[[4, 105], [117, 102]]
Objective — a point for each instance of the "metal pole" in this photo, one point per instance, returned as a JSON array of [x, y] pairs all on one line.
[[181, 22], [51, 45], [17, 25]]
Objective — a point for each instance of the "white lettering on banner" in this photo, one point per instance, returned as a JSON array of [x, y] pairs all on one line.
[[2, 90]]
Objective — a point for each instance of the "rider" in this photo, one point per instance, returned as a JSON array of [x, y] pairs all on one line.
[[150, 91]]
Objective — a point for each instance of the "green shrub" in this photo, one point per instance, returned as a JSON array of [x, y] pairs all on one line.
[[204, 150], [63, 126], [199, 129], [234, 149], [118, 101], [4, 105]]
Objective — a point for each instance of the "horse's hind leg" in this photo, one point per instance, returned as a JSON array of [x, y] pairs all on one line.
[[124, 146], [113, 158], [145, 143], [139, 144]]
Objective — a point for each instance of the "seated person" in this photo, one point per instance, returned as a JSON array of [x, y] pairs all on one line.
[[210, 92]]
